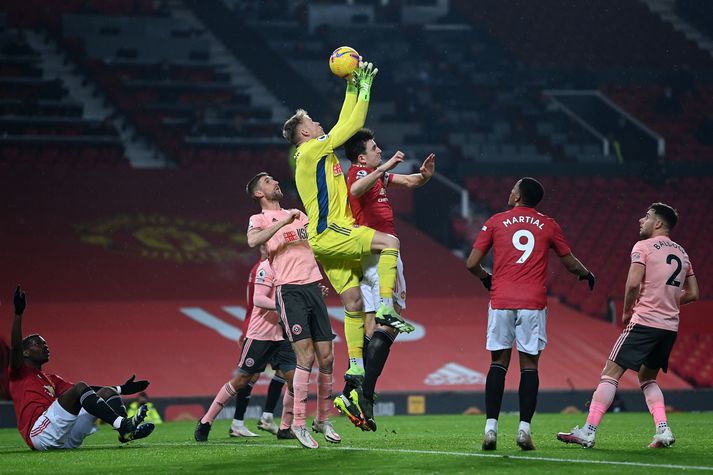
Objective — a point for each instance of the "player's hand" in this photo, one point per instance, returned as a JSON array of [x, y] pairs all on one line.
[[591, 280], [429, 166], [392, 162], [293, 214], [132, 387], [625, 317], [364, 77], [487, 281], [324, 289], [20, 301]]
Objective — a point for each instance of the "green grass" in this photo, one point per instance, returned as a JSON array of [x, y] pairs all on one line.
[[414, 444]]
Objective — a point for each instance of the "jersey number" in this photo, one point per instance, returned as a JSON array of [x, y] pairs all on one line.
[[527, 247], [672, 280]]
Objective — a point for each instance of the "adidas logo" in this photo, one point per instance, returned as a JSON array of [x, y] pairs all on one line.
[[452, 374]]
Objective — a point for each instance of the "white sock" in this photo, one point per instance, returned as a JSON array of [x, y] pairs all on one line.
[[266, 415], [524, 426], [117, 422], [238, 424], [491, 424]]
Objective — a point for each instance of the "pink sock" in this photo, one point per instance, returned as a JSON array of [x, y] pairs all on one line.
[[654, 399], [601, 400], [300, 383], [288, 401], [226, 393], [324, 395]]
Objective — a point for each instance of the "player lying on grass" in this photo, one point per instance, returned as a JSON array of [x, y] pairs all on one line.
[[660, 280], [55, 414]]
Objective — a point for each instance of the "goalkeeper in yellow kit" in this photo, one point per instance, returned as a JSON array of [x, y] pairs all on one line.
[[338, 243]]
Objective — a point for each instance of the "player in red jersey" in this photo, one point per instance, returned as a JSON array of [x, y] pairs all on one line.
[[520, 239], [55, 414], [367, 181], [660, 280]]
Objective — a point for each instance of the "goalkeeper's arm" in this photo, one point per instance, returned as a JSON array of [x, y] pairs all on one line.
[[348, 126]]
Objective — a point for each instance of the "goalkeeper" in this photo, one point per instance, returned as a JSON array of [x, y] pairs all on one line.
[[337, 243]]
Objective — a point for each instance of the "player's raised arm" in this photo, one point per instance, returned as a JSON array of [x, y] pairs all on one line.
[[415, 180], [631, 291], [690, 290], [257, 236], [349, 125], [361, 186], [20, 302]]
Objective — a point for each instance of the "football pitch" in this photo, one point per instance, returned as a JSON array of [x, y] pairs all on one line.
[[402, 444]]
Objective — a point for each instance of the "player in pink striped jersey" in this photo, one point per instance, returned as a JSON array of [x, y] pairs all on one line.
[[299, 301], [660, 280]]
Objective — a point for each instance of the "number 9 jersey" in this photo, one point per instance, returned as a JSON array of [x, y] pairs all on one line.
[[520, 239]]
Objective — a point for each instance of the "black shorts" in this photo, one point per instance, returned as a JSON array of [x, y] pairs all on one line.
[[257, 353], [639, 344], [303, 313]]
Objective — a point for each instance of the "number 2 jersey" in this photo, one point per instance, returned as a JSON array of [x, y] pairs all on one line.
[[667, 268], [520, 238]]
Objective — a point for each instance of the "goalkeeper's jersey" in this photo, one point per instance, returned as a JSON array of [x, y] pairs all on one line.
[[318, 175]]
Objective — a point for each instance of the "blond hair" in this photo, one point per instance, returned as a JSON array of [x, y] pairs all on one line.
[[289, 130]]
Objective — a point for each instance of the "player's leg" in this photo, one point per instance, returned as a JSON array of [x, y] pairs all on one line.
[[354, 332], [321, 424], [304, 351], [81, 396], [242, 399], [657, 359], [499, 340], [285, 362], [274, 392]]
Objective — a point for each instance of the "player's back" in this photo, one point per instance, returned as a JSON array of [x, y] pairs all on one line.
[[521, 238], [667, 267]]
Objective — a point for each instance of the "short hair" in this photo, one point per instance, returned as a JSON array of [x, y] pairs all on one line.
[[667, 213], [30, 340], [289, 130], [531, 191], [356, 145], [251, 187]]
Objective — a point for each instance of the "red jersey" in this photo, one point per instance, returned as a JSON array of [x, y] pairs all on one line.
[[371, 209], [33, 391], [520, 238]]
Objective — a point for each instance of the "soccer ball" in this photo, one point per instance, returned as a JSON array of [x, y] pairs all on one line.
[[344, 61]]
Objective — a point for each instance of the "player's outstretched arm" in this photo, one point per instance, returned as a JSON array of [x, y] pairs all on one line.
[[631, 291], [415, 180], [690, 290], [349, 125], [575, 266], [362, 185], [258, 236], [350, 99], [20, 302], [473, 264]]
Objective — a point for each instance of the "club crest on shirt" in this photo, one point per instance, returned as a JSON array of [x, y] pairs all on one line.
[[296, 329], [49, 390], [337, 169]]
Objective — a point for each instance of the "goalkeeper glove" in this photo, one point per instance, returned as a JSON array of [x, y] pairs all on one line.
[[487, 281], [131, 386], [591, 280], [364, 77]]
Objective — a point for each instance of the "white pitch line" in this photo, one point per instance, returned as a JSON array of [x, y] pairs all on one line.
[[148, 444]]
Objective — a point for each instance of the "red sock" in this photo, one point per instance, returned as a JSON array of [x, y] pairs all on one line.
[[225, 394], [300, 383], [601, 400], [324, 395]]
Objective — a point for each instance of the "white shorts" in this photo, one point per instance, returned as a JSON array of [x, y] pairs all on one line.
[[526, 326], [58, 429], [370, 283]]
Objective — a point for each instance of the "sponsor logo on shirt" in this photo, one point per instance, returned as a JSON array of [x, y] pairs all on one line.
[[337, 169]]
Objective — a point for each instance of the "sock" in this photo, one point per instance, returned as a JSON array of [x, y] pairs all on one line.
[[601, 400], [386, 269], [655, 402], [274, 391], [376, 354], [324, 395], [97, 407], [242, 399], [288, 401], [491, 424], [524, 426], [227, 391], [365, 348], [300, 383], [354, 334], [116, 404], [494, 389], [529, 385]]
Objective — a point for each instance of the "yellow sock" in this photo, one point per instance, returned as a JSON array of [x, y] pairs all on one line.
[[354, 334], [387, 272]]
